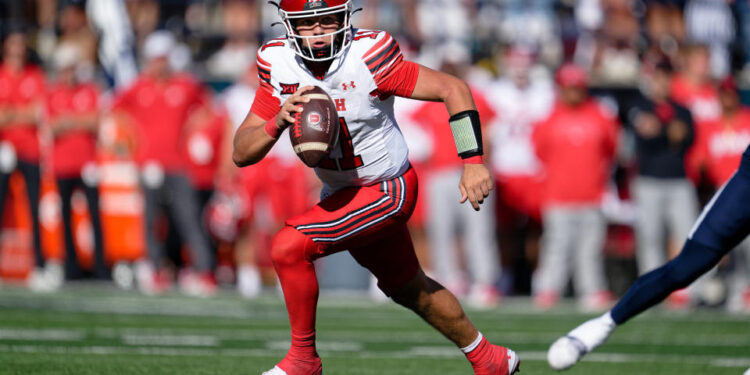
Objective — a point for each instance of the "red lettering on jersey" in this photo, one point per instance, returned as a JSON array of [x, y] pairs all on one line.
[[275, 44], [366, 35], [340, 105], [346, 87]]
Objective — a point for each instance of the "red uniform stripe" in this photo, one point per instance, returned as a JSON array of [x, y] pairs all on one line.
[[350, 217], [377, 46], [382, 55], [398, 200], [379, 78]]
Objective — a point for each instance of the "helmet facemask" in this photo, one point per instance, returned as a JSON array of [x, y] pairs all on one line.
[[339, 39]]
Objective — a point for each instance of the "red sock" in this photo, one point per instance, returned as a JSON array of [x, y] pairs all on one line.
[[300, 285], [488, 359], [302, 359]]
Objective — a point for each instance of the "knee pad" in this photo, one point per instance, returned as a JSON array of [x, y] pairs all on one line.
[[290, 246]]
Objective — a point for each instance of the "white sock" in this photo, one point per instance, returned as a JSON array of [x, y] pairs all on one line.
[[594, 332], [473, 345], [249, 283]]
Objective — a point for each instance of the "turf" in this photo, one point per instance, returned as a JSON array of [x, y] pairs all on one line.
[[100, 330]]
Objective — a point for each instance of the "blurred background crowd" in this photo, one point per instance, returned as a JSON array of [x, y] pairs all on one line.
[[607, 123]]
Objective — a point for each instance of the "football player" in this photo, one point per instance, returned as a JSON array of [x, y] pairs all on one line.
[[722, 225], [369, 188]]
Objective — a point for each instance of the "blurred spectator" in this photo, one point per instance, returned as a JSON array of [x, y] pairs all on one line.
[[522, 22], [665, 25], [664, 197], [442, 22], [237, 100], [240, 25], [693, 87], [615, 61], [160, 103], [718, 153], [72, 115], [710, 22], [109, 19], [144, 18], [75, 33], [742, 9], [21, 98], [520, 100], [401, 17], [207, 144], [576, 145], [450, 223], [267, 186]]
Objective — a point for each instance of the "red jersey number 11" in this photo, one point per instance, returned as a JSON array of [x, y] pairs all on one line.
[[347, 160]]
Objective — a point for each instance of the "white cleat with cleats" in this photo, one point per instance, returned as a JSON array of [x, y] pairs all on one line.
[[275, 371], [514, 362], [569, 349]]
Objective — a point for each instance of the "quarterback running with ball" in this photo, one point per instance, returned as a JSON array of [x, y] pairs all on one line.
[[369, 188]]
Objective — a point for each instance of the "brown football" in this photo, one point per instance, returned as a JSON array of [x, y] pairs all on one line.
[[315, 129]]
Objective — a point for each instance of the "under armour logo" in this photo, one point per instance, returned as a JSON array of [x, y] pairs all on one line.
[[351, 84]]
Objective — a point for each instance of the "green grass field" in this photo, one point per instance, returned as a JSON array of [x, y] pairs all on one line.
[[101, 330]]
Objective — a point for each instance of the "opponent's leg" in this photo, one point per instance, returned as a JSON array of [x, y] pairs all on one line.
[[292, 254], [723, 224]]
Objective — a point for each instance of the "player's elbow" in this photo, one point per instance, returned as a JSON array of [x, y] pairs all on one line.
[[241, 159], [453, 87]]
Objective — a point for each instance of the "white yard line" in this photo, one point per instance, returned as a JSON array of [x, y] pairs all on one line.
[[41, 334], [211, 337], [430, 352], [173, 340]]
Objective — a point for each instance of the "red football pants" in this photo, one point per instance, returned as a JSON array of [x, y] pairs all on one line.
[[370, 222]]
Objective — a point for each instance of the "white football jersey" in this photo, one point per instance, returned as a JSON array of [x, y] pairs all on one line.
[[518, 110], [371, 147]]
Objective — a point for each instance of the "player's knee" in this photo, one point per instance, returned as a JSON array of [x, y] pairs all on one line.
[[694, 260], [288, 247]]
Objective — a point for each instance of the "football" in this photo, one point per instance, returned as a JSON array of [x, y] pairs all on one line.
[[315, 129]]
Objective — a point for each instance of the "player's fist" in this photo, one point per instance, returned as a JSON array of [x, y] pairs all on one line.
[[291, 106], [475, 185]]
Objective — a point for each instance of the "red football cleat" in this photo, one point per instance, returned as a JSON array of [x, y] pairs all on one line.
[[289, 366], [495, 360]]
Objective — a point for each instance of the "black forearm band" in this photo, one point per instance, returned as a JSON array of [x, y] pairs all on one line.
[[467, 133]]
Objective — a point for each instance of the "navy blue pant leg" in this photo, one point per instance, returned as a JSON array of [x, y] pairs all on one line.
[[722, 225]]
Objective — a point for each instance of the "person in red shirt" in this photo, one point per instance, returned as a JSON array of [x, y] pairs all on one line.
[[718, 153], [576, 145], [721, 142], [446, 218], [159, 104], [72, 115], [693, 88], [21, 97]]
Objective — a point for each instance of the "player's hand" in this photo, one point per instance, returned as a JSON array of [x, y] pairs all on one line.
[[475, 185], [290, 107]]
